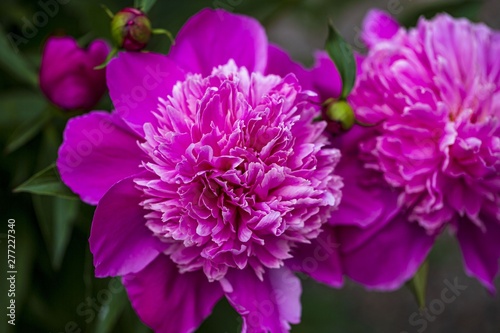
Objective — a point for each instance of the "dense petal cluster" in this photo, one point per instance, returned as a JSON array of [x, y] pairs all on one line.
[[436, 91], [210, 177], [237, 173], [431, 158]]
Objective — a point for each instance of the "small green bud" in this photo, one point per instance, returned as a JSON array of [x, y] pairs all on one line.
[[342, 113], [131, 29]]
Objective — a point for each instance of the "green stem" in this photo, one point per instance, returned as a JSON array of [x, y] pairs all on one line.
[[164, 32], [110, 56], [108, 11]]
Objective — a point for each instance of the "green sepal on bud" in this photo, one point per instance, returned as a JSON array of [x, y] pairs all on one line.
[[131, 29], [340, 112]]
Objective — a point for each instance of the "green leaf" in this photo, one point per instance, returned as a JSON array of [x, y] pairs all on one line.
[[27, 131], [51, 141], [342, 56], [418, 284], [145, 5], [46, 182], [110, 311], [164, 32], [18, 107], [56, 216], [12, 61]]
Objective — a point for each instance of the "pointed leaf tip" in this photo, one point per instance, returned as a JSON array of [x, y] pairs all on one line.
[[46, 182], [145, 5], [418, 284], [342, 56]]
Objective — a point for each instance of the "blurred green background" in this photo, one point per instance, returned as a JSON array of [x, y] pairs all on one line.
[[56, 291]]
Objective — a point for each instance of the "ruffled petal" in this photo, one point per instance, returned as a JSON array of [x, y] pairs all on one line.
[[170, 302], [388, 258], [97, 151], [320, 259], [266, 306], [136, 81], [119, 239], [212, 37], [378, 26]]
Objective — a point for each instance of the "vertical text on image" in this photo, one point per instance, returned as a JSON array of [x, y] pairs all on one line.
[[11, 271]]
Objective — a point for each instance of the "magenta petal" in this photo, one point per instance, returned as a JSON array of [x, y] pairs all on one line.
[[266, 306], [212, 37], [378, 26], [388, 258], [136, 80], [97, 151], [480, 250], [67, 74], [326, 78], [119, 239], [280, 63], [366, 197], [320, 259], [170, 302]]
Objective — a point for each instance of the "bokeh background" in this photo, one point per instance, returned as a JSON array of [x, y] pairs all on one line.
[[56, 291]]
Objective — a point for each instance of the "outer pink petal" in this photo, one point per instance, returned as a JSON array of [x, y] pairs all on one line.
[[119, 239], [366, 197], [388, 258], [212, 37], [320, 259], [136, 80], [280, 63], [378, 26], [480, 249], [170, 302], [266, 306], [326, 79], [97, 151]]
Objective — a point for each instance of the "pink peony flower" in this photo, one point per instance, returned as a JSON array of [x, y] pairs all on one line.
[[433, 158], [208, 177], [67, 74]]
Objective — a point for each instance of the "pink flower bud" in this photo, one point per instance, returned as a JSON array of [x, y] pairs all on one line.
[[131, 29], [67, 74]]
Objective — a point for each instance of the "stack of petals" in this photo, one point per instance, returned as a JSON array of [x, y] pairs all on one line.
[[209, 176], [432, 158]]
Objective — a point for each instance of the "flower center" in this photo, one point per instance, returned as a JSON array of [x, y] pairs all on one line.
[[237, 171]]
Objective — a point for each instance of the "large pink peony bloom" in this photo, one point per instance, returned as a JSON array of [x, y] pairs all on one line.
[[433, 158], [208, 177]]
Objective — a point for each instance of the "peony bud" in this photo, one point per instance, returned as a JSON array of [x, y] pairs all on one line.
[[67, 74], [339, 115], [131, 29]]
